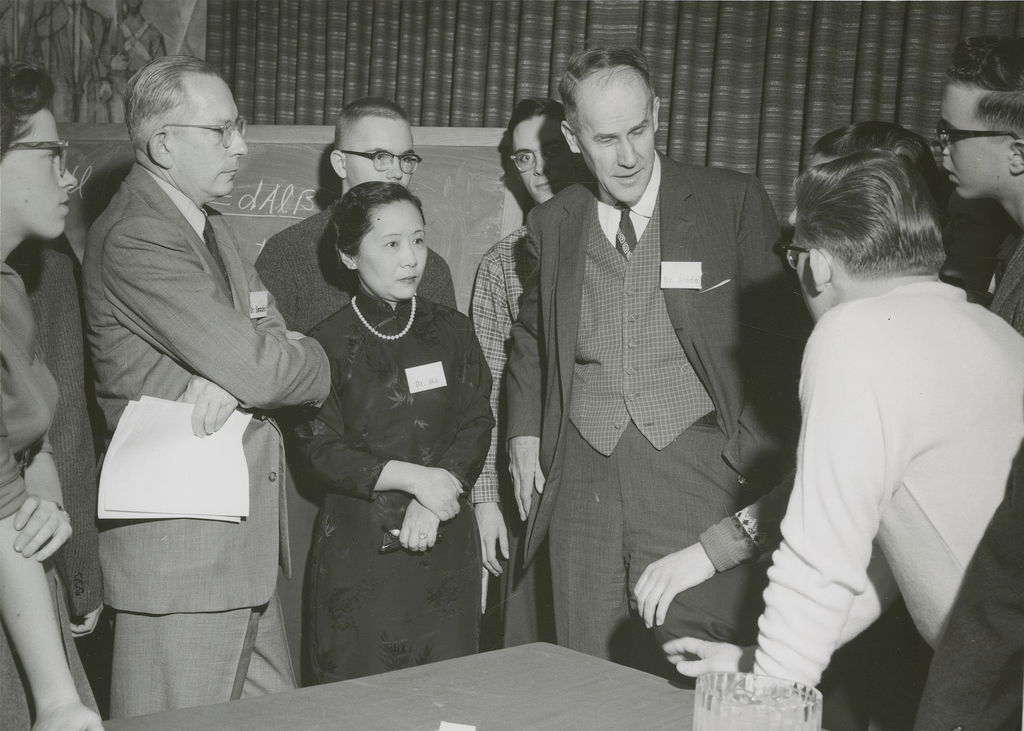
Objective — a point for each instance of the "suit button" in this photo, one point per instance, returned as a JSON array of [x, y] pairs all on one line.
[[630, 370], [272, 477], [79, 591]]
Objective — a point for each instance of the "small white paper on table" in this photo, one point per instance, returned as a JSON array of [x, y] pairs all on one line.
[[156, 467], [447, 726]]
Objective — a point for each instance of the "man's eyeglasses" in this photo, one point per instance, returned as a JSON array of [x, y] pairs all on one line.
[[227, 130], [59, 147], [526, 160], [793, 252], [949, 135], [383, 160]]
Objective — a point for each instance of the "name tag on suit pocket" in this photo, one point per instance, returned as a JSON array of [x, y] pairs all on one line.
[[680, 274]]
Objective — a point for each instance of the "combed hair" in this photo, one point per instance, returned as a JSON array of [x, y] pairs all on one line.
[[157, 89], [353, 216], [368, 106], [588, 62], [995, 64], [873, 212], [25, 89], [874, 135]]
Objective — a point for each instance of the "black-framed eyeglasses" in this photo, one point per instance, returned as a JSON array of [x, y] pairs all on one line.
[[793, 252], [59, 147], [950, 135], [526, 160], [383, 160], [227, 130]]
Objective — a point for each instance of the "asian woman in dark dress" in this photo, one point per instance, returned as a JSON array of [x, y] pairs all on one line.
[[395, 575]]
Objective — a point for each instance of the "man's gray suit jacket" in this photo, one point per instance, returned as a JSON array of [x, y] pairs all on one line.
[[158, 312]]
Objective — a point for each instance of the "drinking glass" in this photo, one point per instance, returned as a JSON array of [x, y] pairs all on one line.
[[748, 702]]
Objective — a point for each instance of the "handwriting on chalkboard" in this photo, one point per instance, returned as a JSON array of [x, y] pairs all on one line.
[[268, 200]]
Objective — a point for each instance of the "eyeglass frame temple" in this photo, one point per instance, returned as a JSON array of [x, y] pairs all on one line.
[[61, 146]]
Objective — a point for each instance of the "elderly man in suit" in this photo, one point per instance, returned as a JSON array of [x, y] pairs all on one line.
[[639, 356], [174, 311], [372, 141]]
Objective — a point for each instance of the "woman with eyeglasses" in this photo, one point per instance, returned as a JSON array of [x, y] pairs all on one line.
[[400, 440], [33, 525]]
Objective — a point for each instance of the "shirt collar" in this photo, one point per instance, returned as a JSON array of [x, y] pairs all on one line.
[[195, 217], [645, 206]]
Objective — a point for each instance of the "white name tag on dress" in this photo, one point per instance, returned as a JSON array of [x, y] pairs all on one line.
[[257, 304], [425, 377], [680, 275]]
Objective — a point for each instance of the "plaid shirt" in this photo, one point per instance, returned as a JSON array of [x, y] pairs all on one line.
[[494, 307]]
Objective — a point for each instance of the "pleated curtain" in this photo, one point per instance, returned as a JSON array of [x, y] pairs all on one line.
[[744, 85]]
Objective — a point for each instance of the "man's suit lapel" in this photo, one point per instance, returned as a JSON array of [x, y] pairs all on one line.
[[148, 189], [572, 263], [232, 262], [685, 237]]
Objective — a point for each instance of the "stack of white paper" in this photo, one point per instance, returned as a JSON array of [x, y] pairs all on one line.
[[156, 467]]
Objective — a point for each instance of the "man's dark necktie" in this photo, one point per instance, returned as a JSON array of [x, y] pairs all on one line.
[[625, 237], [211, 243]]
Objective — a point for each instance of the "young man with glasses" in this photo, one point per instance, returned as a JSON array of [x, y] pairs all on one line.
[[538, 164], [174, 311], [982, 139], [975, 677], [372, 141]]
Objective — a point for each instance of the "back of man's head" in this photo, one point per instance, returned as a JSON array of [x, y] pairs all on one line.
[[588, 62], [369, 106], [155, 90], [995, 64], [876, 135], [872, 211]]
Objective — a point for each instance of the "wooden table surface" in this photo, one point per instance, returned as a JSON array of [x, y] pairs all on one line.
[[530, 688]]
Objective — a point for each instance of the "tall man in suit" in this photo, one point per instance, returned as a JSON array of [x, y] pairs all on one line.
[[642, 349], [372, 141], [174, 311]]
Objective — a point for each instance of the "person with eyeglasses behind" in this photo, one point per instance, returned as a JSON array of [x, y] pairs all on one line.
[[33, 525], [982, 138], [174, 311], [372, 141], [976, 675], [538, 164]]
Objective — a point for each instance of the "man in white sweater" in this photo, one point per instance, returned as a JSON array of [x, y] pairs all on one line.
[[913, 409]]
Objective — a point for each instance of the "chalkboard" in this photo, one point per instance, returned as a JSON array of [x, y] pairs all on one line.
[[287, 176]]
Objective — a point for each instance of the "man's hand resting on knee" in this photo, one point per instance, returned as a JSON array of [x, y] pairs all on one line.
[[668, 576]]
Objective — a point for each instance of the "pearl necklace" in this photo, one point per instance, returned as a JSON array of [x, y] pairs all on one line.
[[382, 336]]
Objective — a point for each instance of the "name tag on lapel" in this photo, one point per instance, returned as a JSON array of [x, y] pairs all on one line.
[[680, 274], [425, 377], [257, 304]]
